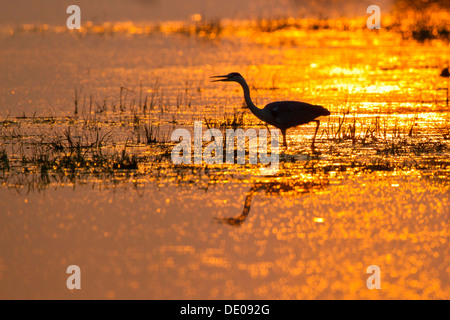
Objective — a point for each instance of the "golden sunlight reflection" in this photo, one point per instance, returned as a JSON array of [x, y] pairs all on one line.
[[88, 176]]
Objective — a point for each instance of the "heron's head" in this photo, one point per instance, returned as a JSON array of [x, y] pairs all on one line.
[[234, 76]]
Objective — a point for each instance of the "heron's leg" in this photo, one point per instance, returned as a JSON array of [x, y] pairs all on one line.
[[283, 132], [315, 133]]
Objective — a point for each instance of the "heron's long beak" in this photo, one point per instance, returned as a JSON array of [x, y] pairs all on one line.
[[222, 78]]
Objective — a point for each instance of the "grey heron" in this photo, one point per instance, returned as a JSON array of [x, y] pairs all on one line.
[[446, 74], [281, 114]]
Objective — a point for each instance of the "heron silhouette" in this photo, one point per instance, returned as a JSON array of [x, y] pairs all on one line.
[[281, 114], [446, 74]]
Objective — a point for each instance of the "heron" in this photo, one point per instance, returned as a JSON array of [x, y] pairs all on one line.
[[446, 74], [281, 114]]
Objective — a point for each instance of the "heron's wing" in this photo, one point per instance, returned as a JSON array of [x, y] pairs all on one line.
[[288, 114]]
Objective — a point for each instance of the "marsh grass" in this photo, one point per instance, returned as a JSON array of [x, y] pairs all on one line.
[[151, 134], [108, 137], [125, 161], [131, 105], [233, 121], [378, 128], [92, 147], [405, 147]]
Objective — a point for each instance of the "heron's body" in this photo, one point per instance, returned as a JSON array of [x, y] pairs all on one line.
[[288, 114], [281, 114]]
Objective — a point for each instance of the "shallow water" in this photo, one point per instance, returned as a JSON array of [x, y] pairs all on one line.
[[156, 241], [224, 231]]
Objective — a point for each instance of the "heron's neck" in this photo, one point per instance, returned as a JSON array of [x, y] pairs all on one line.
[[253, 108]]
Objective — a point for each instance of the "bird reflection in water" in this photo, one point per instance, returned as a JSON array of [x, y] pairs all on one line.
[[273, 188], [281, 114]]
